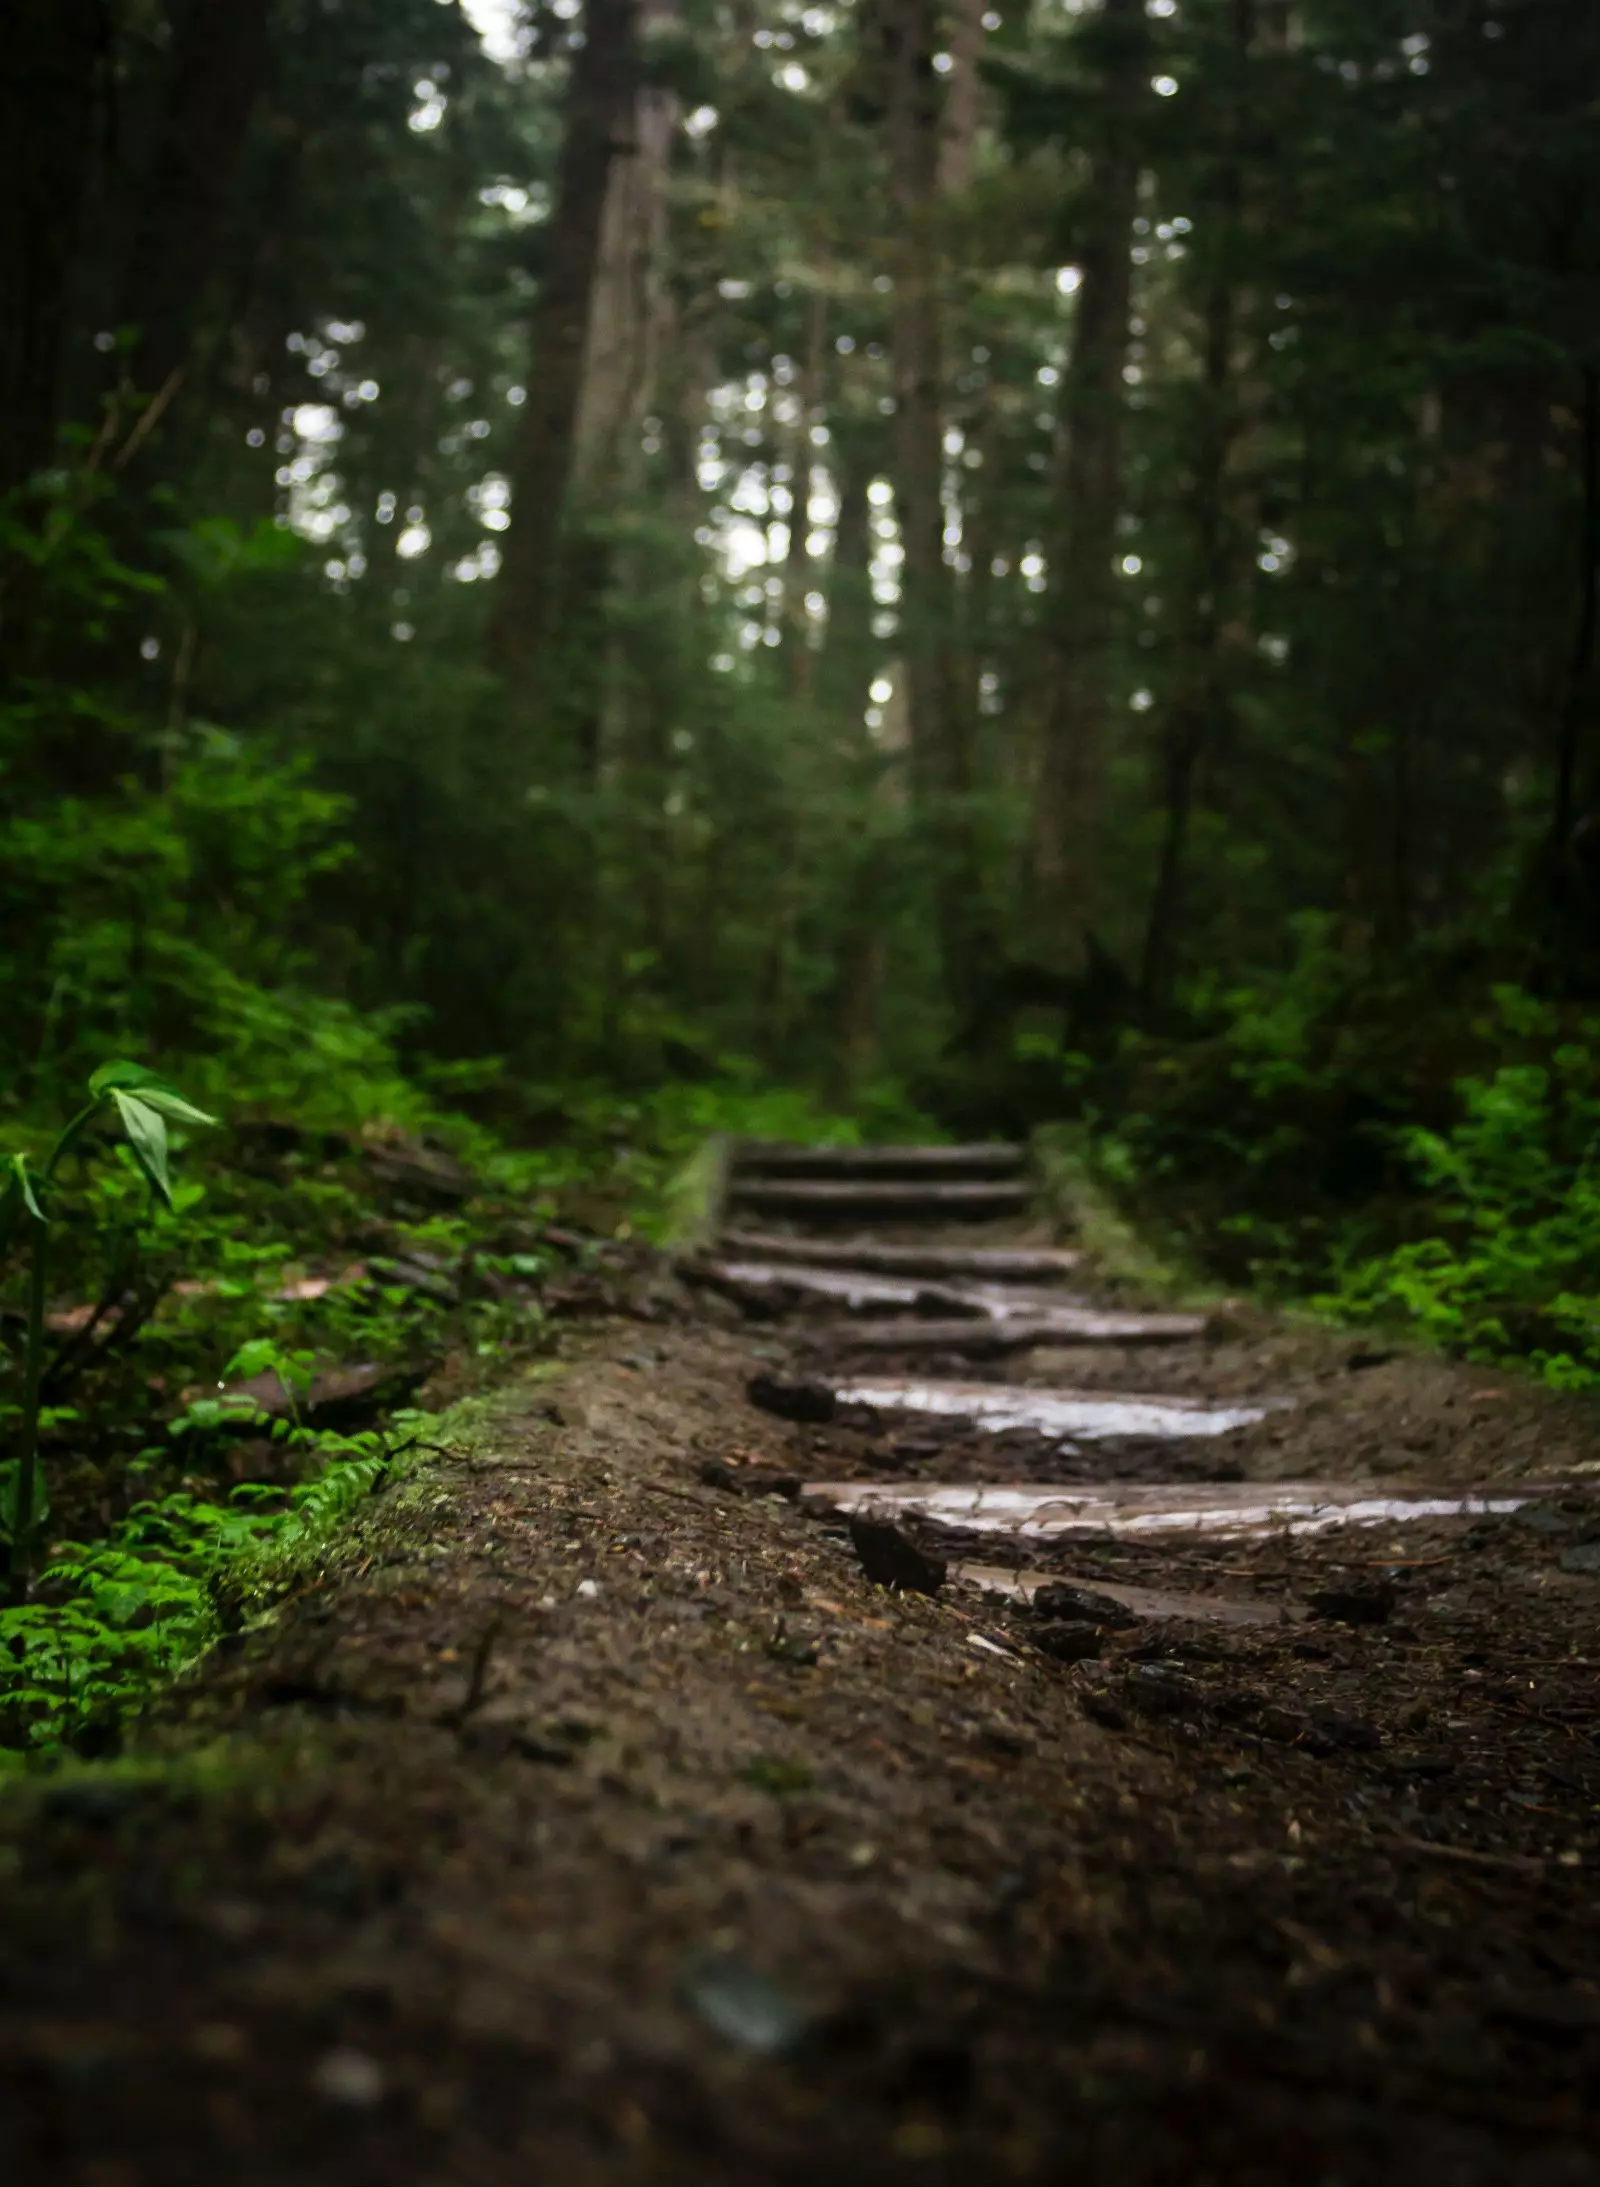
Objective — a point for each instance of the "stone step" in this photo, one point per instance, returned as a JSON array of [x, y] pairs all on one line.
[[770, 1158], [1078, 1416], [864, 1291], [1216, 1508], [987, 1264], [1063, 1325], [904, 1199]]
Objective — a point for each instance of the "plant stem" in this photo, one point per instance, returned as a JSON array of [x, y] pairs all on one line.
[[23, 1529]]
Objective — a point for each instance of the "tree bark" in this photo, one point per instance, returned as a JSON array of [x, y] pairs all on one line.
[[1578, 697], [600, 103], [628, 309], [218, 67], [1199, 699], [910, 35], [958, 138], [1067, 810], [48, 98], [799, 650], [941, 735]]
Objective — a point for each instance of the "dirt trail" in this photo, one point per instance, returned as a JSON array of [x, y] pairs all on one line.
[[601, 1821]]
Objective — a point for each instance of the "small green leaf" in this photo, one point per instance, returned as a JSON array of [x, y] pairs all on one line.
[[173, 1105], [24, 1184], [151, 1088], [111, 1075], [147, 1135]]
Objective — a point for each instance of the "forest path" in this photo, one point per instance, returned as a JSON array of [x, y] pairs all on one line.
[[603, 1821]]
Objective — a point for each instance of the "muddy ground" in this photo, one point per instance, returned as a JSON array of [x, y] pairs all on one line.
[[596, 1820]]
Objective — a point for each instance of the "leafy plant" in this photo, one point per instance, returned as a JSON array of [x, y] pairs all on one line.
[[1515, 1187], [140, 1103]]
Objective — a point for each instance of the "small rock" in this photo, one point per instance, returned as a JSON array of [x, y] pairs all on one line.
[[811, 1403], [1154, 1689], [1101, 1706], [349, 2077], [1000, 1736], [588, 1590], [1583, 1557], [1413, 1768], [1060, 1600], [98, 1803], [1362, 1602], [1072, 1641], [1331, 1731], [742, 2005], [891, 1558], [714, 1474]]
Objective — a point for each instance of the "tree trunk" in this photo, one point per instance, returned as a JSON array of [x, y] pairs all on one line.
[[1067, 811], [963, 88], [629, 306], [910, 34], [941, 749], [798, 648], [218, 66], [600, 105], [1199, 698], [47, 110], [1578, 698]]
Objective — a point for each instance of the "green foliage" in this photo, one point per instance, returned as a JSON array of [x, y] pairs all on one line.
[[111, 1620], [142, 1102], [1514, 1186], [1285, 1147]]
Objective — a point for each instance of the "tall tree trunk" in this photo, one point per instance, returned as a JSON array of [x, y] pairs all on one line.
[[958, 138], [941, 754], [1578, 697], [218, 65], [910, 35], [1067, 811], [629, 305], [1199, 698], [600, 104], [800, 657], [843, 670], [53, 55]]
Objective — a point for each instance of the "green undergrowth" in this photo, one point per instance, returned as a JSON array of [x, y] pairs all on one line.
[[110, 1621], [184, 1448], [1124, 1255], [115, 1623], [1379, 1146]]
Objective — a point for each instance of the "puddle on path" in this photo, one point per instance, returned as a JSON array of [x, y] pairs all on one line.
[[1075, 1415], [1232, 1508]]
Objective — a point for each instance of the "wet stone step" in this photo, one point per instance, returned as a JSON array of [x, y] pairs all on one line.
[[864, 1291], [768, 1159], [1232, 1510], [1072, 1415], [975, 1338], [908, 1199], [984, 1264]]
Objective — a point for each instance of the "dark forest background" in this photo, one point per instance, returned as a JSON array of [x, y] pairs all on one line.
[[727, 563]]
